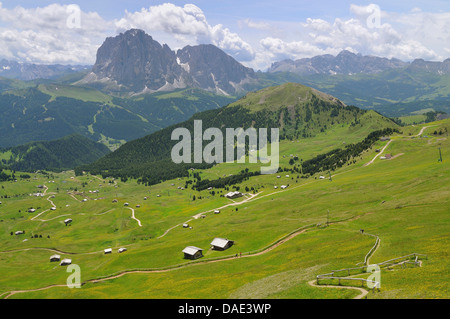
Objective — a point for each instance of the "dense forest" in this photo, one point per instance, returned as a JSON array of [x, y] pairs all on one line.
[[62, 154]]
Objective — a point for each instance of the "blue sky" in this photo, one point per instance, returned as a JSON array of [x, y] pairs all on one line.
[[288, 10], [256, 33]]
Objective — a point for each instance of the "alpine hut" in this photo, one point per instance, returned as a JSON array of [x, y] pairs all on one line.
[[65, 262], [55, 258], [221, 244], [192, 252]]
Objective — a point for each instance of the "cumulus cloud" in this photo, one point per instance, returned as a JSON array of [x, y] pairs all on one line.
[[371, 31], [189, 25], [52, 34]]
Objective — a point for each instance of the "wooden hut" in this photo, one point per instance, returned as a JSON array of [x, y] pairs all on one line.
[[221, 244], [65, 262], [192, 252], [55, 258]]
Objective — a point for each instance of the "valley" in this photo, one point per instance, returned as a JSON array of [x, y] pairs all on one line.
[[282, 234], [160, 155]]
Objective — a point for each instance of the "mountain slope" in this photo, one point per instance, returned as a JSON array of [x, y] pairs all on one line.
[[61, 154], [299, 112], [52, 111]]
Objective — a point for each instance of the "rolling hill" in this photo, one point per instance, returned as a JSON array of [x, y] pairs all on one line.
[[298, 111]]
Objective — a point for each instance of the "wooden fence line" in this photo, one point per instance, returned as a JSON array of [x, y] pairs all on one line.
[[363, 269]]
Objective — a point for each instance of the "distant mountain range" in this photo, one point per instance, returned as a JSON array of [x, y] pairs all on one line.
[[31, 71], [348, 63]]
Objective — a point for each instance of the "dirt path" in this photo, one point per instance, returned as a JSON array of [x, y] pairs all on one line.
[[197, 216], [105, 212], [12, 293], [384, 148], [53, 204], [423, 129], [268, 249], [133, 217], [363, 291], [373, 252], [381, 152], [71, 195]]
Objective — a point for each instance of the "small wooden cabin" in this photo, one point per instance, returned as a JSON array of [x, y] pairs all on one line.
[[65, 262], [221, 244], [192, 252], [55, 258]]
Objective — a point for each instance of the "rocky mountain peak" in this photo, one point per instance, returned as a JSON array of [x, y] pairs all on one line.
[[136, 63]]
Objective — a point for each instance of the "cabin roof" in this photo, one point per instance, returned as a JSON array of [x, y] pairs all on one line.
[[191, 250], [220, 242]]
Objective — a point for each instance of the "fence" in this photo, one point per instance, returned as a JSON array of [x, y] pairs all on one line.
[[411, 259]]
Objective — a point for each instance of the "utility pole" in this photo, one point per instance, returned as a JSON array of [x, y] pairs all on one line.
[[329, 173], [440, 155], [328, 216]]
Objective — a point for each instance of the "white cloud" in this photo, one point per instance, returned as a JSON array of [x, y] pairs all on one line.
[[407, 36], [42, 35], [254, 25], [188, 25], [45, 35]]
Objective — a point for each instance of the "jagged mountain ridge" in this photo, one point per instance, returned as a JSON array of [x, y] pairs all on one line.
[[349, 63], [134, 62]]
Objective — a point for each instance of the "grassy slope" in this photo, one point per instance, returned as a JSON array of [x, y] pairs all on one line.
[[413, 219], [74, 92]]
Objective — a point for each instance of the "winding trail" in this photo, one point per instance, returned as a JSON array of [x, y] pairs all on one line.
[[197, 216], [105, 212], [133, 217], [42, 220], [363, 291], [423, 129]]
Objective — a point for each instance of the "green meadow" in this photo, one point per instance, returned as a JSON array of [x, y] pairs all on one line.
[[283, 237]]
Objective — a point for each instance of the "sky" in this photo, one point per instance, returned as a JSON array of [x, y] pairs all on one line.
[[256, 33]]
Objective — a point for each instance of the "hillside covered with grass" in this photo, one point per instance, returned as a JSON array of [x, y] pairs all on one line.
[[283, 238], [298, 111]]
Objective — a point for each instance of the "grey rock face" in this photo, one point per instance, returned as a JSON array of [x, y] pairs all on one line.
[[137, 63]]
